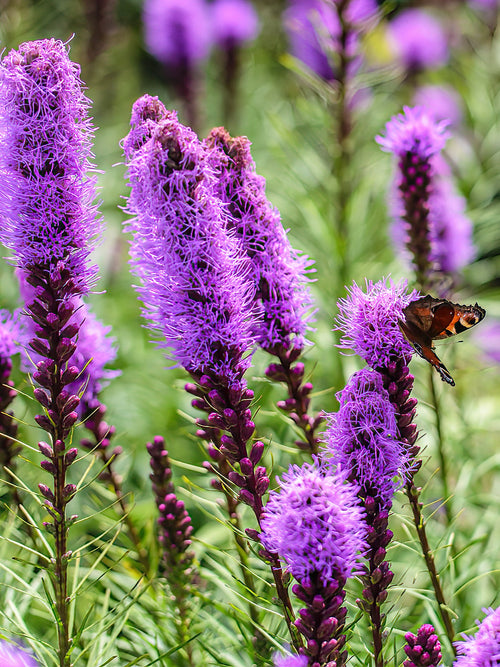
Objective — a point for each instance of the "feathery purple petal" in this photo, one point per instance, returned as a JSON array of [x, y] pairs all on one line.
[[483, 648]]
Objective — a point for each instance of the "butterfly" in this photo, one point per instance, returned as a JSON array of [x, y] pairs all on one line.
[[428, 319]]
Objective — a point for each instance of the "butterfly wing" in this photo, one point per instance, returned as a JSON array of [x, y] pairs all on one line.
[[422, 344]]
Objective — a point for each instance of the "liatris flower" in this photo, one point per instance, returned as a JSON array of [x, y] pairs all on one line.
[[193, 275], [314, 521], [441, 103], [277, 271], [14, 656], [362, 438], [49, 220], [423, 650], [418, 40], [50, 223], [174, 522], [414, 139], [178, 34], [487, 339], [483, 649], [233, 22], [369, 323]]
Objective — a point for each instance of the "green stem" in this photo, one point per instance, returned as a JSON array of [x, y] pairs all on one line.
[[440, 444]]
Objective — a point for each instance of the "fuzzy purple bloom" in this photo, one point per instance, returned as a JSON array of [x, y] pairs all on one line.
[[233, 22], [424, 649], [193, 274], [290, 660], [277, 271], [14, 656], [482, 649], [418, 40], [315, 523], [441, 103], [369, 321], [362, 437], [414, 131], [46, 195], [177, 32]]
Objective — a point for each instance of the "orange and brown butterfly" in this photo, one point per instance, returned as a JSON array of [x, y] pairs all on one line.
[[428, 319]]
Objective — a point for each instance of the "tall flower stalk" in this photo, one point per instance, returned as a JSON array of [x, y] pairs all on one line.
[[196, 292], [316, 523], [369, 323], [362, 439], [50, 226], [278, 273]]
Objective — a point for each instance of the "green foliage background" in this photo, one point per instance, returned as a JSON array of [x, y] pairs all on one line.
[[290, 118]]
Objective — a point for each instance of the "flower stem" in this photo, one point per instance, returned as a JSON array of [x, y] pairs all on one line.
[[413, 495], [440, 445]]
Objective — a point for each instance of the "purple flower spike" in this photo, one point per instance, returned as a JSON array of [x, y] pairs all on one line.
[[277, 271], [177, 32], [13, 656], [233, 22], [428, 214], [362, 438], [418, 40], [46, 195], [369, 321], [315, 523], [423, 650], [483, 649], [193, 275]]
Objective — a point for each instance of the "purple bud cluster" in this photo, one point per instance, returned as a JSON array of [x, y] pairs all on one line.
[[174, 523], [424, 649], [316, 525]]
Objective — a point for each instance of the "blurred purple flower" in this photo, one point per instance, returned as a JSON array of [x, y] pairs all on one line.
[[418, 40], [482, 649], [233, 22], [315, 523], [290, 660], [362, 438], [193, 274], [369, 321], [9, 335], [313, 29], [428, 215], [13, 656], [177, 32], [46, 195], [487, 337], [424, 649], [413, 131], [441, 103], [277, 271]]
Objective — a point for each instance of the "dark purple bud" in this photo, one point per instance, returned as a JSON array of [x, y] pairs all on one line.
[[46, 492], [44, 422], [42, 397], [59, 446], [39, 347], [256, 452], [69, 490], [46, 449], [237, 479], [262, 486], [246, 497], [48, 466], [246, 466], [71, 455], [70, 419], [247, 430], [252, 534], [216, 420], [70, 375]]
